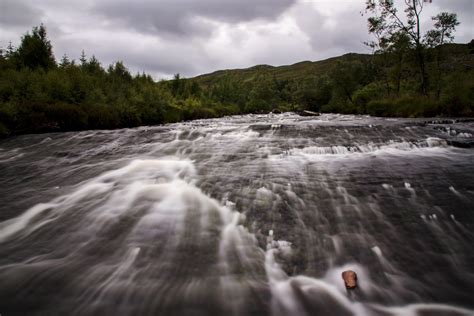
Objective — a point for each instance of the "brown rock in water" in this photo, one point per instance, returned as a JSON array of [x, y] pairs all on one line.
[[350, 279]]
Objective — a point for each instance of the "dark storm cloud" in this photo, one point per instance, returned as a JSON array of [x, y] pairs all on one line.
[[17, 13], [181, 17]]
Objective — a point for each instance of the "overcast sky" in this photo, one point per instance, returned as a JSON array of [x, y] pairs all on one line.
[[191, 37]]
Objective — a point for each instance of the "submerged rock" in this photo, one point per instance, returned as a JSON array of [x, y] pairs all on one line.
[[350, 279]]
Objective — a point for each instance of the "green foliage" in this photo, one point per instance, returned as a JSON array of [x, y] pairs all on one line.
[[458, 97], [444, 28], [386, 22], [38, 96], [229, 91], [471, 46], [3, 130], [417, 106], [314, 93], [35, 50], [372, 91]]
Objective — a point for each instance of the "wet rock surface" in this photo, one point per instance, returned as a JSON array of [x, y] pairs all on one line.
[[246, 215]]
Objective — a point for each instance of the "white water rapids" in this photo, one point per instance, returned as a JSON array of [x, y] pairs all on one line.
[[245, 215]]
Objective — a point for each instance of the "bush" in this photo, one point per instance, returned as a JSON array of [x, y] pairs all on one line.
[[66, 117], [3, 130], [380, 108], [193, 108], [172, 114], [8, 115], [368, 93], [404, 107], [101, 116], [457, 98], [339, 104]]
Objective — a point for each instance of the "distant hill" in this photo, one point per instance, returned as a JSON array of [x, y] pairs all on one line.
[[460, 54], [300, 70]]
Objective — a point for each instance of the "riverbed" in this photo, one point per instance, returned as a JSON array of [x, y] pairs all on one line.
[[242, 215]]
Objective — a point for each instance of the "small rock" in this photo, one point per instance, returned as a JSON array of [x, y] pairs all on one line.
[[350, 279]]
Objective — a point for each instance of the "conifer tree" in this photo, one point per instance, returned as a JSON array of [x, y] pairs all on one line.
[[35, 50]]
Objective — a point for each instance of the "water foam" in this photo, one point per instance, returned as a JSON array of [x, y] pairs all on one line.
[[138, 180], [163, 209], [328, 295], [361, 150]]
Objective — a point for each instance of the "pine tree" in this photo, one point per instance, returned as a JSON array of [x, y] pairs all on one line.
[[35, 50], [83, 58], [65, 62]]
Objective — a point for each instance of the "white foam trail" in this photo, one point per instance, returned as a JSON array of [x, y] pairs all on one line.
[[12, 226], [286, 300], [151, 169], [428, 146], [424, 309], [410, 188], [47, 139], [377, 251], [122, 187], [457, 193], [13, 156], [121, 275]]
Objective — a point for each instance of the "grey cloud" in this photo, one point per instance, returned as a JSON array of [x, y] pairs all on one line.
[[347, 35], [457, 6], [181, 17], [158, 60], [18, 13], [164, 63], [162, 37]]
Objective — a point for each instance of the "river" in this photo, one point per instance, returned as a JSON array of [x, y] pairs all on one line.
[[242, 215]]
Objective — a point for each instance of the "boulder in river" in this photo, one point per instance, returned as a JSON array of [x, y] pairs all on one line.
[[350, 279]]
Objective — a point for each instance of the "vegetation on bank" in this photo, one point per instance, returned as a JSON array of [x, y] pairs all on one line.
[[407, 75], [38, 94]]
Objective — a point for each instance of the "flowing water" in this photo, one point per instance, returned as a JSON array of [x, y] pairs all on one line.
[[244, 215]]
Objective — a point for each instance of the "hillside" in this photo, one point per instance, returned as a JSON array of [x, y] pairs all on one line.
[[460, 55], [298, 71]]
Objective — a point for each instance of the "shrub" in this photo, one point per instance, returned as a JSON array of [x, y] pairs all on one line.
[[65, 116], [368, 93], [3, 130], [380, 108], [409, 106]]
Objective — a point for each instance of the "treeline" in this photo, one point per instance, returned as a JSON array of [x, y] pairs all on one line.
[[409, 74], [39, 94], [383, 84]]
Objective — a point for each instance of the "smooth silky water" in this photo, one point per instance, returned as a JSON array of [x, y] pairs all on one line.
[[243, 215]]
